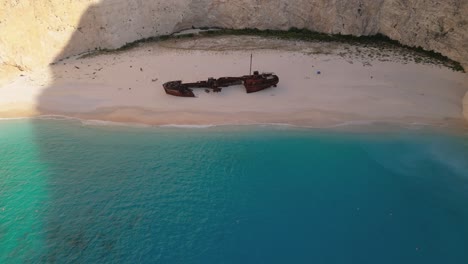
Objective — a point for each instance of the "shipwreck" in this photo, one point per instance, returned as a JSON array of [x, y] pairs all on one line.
[[253, 83]]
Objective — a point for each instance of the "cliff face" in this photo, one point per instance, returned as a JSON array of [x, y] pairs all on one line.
[[35, 33], [441, 26]]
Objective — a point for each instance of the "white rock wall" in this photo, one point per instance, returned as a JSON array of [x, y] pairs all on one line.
[[36, 32], [439, 25]]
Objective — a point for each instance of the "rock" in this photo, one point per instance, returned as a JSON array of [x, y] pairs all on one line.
[[36, 33]]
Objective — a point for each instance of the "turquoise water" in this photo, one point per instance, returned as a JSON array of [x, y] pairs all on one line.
[[71, 193]]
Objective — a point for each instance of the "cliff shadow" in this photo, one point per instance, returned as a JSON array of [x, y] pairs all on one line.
[[96, 209]]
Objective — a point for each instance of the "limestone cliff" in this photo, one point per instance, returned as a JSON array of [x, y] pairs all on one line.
[[34, 32], [38, 32]]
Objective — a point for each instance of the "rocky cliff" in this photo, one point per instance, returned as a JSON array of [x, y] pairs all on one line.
[[35, 33]]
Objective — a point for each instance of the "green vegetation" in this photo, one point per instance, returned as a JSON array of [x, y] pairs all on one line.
[[134, 44], [376, 41]]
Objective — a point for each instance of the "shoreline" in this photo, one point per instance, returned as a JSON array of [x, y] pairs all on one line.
[[350, 126], [126, 87], [306, 119]]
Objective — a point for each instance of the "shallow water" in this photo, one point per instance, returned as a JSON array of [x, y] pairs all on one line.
[[101, 194]]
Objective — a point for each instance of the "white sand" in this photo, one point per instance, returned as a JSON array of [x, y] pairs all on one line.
[[112, 87]]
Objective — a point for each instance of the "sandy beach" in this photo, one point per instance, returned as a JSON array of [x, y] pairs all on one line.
[[127, 86]]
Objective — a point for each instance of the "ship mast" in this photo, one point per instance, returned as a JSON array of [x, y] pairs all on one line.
[[250, 72]]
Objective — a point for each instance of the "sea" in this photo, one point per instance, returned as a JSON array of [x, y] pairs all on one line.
[[84, 192]]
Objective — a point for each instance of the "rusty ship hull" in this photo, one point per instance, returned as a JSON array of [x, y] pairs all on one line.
[[177, 88], [252, 83]]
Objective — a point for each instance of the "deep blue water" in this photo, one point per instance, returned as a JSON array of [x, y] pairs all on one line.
[[71, 193]]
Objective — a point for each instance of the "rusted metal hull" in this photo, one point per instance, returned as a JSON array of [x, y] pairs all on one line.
[[176, 88], [180, 93], [253, 83], [256, 84]]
